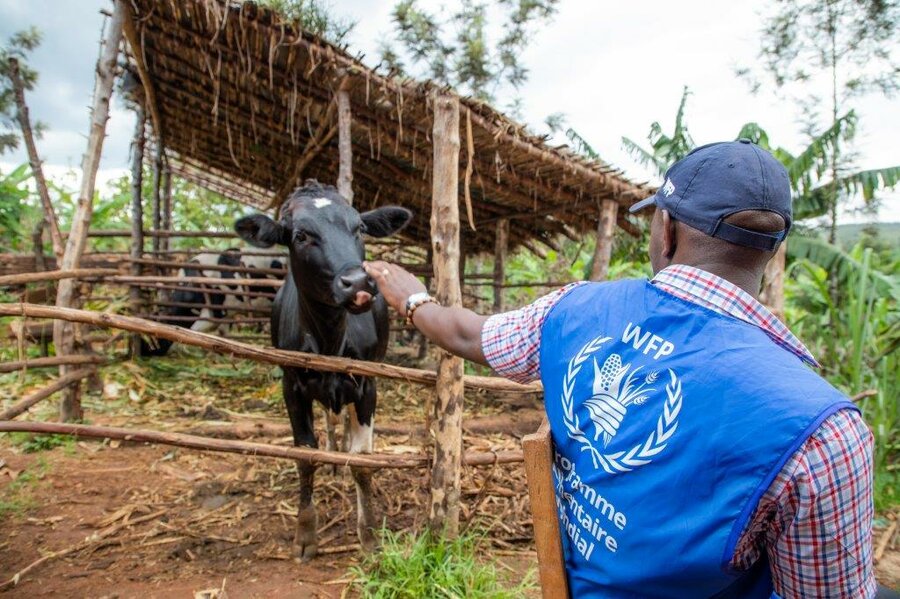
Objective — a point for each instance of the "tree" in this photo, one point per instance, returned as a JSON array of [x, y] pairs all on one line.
[[664, 149], [314, 16], [460, 51], [17, 77], [847, 45]]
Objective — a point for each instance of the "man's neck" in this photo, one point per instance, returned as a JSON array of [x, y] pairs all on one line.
[[747, 279]]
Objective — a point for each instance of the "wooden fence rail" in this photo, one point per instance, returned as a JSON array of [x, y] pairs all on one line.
[[43, 393], [300, 454], [277, 357], [73, 360]]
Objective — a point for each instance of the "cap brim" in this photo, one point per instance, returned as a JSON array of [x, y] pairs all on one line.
[[651, 201]]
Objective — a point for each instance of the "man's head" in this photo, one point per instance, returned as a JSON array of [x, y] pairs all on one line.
[[726, 204]]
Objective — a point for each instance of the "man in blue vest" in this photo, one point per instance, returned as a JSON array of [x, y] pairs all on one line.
[[698, 454]]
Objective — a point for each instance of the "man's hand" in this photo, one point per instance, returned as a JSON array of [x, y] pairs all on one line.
[[394, 283], [453, 328]]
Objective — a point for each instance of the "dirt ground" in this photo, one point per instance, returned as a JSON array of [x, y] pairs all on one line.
[[201, 520], [135, 520]]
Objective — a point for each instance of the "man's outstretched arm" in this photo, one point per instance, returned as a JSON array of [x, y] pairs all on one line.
[[454, 329]]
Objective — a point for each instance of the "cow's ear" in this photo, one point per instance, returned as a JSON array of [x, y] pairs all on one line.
[[260, 230], [385, 221]]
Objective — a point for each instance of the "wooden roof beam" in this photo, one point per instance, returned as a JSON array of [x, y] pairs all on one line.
[[131, 35]]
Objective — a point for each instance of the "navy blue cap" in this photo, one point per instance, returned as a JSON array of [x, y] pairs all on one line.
[[720, 179]]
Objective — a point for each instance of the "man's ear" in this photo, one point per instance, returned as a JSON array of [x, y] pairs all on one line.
[[669, 241], [260, 230], [385, 221]]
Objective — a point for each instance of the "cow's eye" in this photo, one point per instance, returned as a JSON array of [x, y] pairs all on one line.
[[300, 237]]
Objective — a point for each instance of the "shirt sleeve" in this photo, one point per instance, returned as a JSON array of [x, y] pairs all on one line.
[[815, 520], [511, 341]]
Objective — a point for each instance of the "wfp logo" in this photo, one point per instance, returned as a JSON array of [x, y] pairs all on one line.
[[614, 390], [616, 387], [669, 188]]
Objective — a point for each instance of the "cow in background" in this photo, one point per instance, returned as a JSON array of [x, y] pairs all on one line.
[[328, 305]]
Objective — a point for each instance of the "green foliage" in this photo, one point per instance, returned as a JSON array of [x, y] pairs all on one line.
[[458, 51], [664, 149], [411, 566], [854, 332], [17, 48], [30, 443], [15, 209], [314, 16]]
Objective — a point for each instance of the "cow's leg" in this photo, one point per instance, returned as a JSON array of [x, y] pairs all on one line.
[[300, 411], [331, 422], [362, 426]]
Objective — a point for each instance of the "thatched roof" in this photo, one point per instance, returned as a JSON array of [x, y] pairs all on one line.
[[244, 104]]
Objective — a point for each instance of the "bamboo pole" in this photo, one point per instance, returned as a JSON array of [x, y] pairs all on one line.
[[263, 450], [443, 513], [345, 146], [137, 217], [73, 360], [34, 160], [277, 357], [59, 384], [606, 226], [501, 246], [63, 333]]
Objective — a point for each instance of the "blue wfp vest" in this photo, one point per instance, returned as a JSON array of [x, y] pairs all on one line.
[[669, 422]]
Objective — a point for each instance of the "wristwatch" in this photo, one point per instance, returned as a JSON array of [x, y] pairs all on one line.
[[416, 300]]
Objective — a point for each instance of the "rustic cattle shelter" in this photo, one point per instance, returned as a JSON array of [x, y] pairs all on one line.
[[249, 105], [236, 100]]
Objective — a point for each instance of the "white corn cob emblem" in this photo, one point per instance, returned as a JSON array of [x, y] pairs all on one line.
[[612, 394]]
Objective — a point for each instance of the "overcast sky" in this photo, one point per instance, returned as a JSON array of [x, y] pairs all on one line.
[[611, 67]]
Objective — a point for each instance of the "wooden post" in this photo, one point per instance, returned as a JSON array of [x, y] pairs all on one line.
[[34, 160], [447, 425], [501, 245], [606, 226], [538, 454], [772, 294], [423, 340], [157, 203], [63, 332], [137, 219], [167, 207], [345, 146]]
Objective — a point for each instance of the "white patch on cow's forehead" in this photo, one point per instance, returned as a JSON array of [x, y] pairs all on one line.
[[321, 202]]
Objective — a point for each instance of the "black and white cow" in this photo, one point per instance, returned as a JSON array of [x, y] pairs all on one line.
[[195, 318], [328, 305]]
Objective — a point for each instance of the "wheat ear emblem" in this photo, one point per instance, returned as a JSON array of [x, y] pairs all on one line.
[[615, 389]]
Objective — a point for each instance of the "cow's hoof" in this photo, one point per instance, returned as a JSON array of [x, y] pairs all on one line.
[[367, 539], [305, 553], [306, 545]]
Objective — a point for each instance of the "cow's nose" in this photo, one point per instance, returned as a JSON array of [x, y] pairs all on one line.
[[355, 280]]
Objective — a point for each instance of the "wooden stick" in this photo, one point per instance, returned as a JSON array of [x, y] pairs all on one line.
[[217, 267], [64, 333], [74, 359], [278, 357], [201, 305], [59, 384], [501, 247], [241, 292], [137, 216], [606, 226], [196, 281], [884, 541], [137, 50], [301, 454], [345, 146], [443, 515], [56, 275], [156, 233], [864, 394], [166, 317]]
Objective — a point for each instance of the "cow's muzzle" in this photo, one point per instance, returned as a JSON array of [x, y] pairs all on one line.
[[354, 289]]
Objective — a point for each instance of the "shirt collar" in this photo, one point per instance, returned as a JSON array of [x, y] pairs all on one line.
[[706, 289]]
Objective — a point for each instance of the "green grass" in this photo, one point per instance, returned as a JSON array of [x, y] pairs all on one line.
[[30, 443], [18, 497], [411, 566]]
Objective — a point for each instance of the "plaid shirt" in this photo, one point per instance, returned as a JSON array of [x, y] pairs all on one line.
[[815, 520]]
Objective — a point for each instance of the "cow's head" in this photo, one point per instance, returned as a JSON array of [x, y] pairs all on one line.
[[323, 234]]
